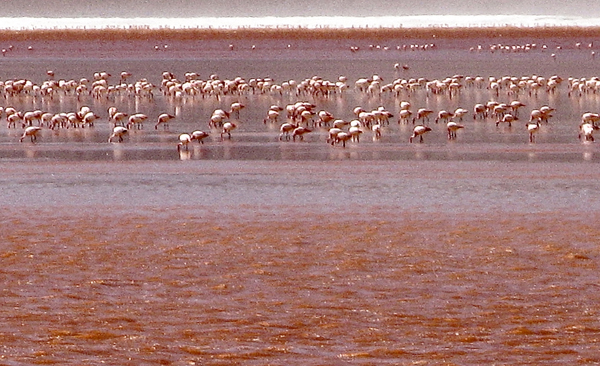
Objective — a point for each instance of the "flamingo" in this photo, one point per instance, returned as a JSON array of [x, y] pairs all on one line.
[[118, 118], [460, 113], [376, 131], [507, 118], [342, 137], [590, 117], [332, 136], [355, 132], [452, 128], [32, 132], [479, 110], [235, 109], [532, 128], [137, 120], [184, 140], [419, 130], [324, 118], [118, 132], [89, 118], [12, 119], [587, 130], [199, 135], [445, 115], [300, 131], [227, 128], [164, 119], [286, 129], [272, 116], [515, 105], [111, 112], [218, 117], [422, 114], [404, 115], [545, 111]]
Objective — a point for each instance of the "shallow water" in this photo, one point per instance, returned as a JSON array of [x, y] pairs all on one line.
[[254, 251]]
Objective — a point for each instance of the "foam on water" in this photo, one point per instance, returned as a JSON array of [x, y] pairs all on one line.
[[412, 21]]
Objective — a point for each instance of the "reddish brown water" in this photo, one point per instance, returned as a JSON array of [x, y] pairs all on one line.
[[255, 252], [334, 274]]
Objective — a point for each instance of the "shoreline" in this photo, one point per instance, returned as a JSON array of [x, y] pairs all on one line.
[[300, 33]]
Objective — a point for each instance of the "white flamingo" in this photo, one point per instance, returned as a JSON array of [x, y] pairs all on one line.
[[419, 131], [199, 136], [235, 109], [532, 129], [227, 128], [285, 130], [272, 116], [355, 133], [118, 132], [119, 118], [404, 115], [218, 118], [184, 140], [587, 131], [325, 118], [342, 137], [507, 118], [422, 114], [164, 119], [460, 113], [452, 128], [479, 110], [590, 117], [445, 115], [32, 132], [137, 120], [12, 119], [89, 119], [376, 128], [332, 135], [300, 131]]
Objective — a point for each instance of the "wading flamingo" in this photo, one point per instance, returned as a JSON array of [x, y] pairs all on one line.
[[227, 128], [532, 129], [507, 118], [419, 131], [452, 128], [164, 119], [586, 130], [32, 132], [184, 140], [199, 135], [118, 132], [285, 130], [342, 137], [300, 131]]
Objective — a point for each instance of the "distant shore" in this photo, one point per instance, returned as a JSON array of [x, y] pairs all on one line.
[[146, 33]]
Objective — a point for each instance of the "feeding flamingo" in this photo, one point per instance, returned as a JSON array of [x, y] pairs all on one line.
[[300, 131], [118, 132], [587, 131], [32, 132], [452, 128], [419, 131], [164, 119], [199, 135], [227, 128], [184, 140]]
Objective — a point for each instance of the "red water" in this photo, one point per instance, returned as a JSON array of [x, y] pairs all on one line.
[[131, 278]]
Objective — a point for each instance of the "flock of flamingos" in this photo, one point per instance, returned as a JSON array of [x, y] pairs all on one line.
[[302, 116]]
